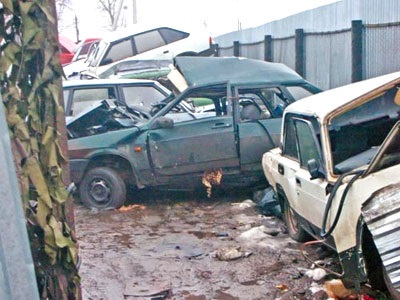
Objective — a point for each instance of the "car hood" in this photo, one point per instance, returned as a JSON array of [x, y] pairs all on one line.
[[199, 71], [102, 117], [135, 68]]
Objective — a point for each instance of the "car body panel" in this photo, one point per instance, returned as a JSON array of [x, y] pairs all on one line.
[[333, 100], [194, 146], [199, 71], [355, 152], [132, 67], [257, 135], [67, 48]]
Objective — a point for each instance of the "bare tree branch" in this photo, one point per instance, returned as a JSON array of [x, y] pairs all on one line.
[[108, 7], [61, 5]]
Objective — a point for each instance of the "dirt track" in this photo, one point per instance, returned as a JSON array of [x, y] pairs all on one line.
[[173, 246]]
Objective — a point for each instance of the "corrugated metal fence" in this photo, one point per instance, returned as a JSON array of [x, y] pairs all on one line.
[[328, 58]]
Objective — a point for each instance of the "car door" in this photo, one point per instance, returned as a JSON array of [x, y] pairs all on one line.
[[259, 123], [197, 142], [311, 192], [307, 196]]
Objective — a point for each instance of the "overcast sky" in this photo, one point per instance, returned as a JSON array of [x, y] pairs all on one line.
[[220, 16]]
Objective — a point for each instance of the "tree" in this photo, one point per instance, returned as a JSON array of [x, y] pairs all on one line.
[[31, 88], [61, 6], [112, 8]]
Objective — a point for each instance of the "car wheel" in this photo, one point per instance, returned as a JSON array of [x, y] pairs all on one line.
[[188, 53], [295, 231], [102, 188]]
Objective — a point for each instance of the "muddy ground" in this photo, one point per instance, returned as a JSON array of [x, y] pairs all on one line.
[[186, 246]]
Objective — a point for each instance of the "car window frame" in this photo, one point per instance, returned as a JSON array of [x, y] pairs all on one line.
[[185, 94], [314, 139], [314, 126], [105, 59], [122, 86], [136, 45], [169, 41], [72, 89], [289, 119]]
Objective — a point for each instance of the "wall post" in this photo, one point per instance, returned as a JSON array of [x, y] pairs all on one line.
[[299, 55], [356, 50], [236, 48], [268, 48]]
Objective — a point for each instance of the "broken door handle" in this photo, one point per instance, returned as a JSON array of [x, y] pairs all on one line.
[[298, 182], [221, 125], [281, 170]]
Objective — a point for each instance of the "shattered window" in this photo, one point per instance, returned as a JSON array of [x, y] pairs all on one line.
[[142, 96], [357, 133], [82, 98], [390, 153]]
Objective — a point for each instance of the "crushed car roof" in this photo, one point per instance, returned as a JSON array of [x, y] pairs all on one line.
[[324, 103], [209, 70]]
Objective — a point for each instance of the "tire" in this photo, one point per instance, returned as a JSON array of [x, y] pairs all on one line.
[[296, 232], [102, 188], [188, 53]]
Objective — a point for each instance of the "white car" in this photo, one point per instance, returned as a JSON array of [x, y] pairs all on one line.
[[142, 43], [336, 177]]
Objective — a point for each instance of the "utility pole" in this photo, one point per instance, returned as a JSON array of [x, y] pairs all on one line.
[[76, 28], [134, 12]]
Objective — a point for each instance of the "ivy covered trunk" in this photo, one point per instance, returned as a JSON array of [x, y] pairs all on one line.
[[31, 88]]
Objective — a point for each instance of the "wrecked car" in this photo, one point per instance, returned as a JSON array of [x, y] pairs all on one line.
[[226, 112], [336, 177], [141, 43]]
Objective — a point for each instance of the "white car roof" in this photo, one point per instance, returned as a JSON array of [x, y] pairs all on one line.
[[89, 82], [132, 30], [322, 104]]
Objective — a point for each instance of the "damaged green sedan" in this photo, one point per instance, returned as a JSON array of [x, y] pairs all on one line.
[[225, 113]]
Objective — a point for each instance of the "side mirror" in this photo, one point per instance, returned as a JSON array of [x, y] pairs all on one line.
[[162, 122], [314, 169]]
